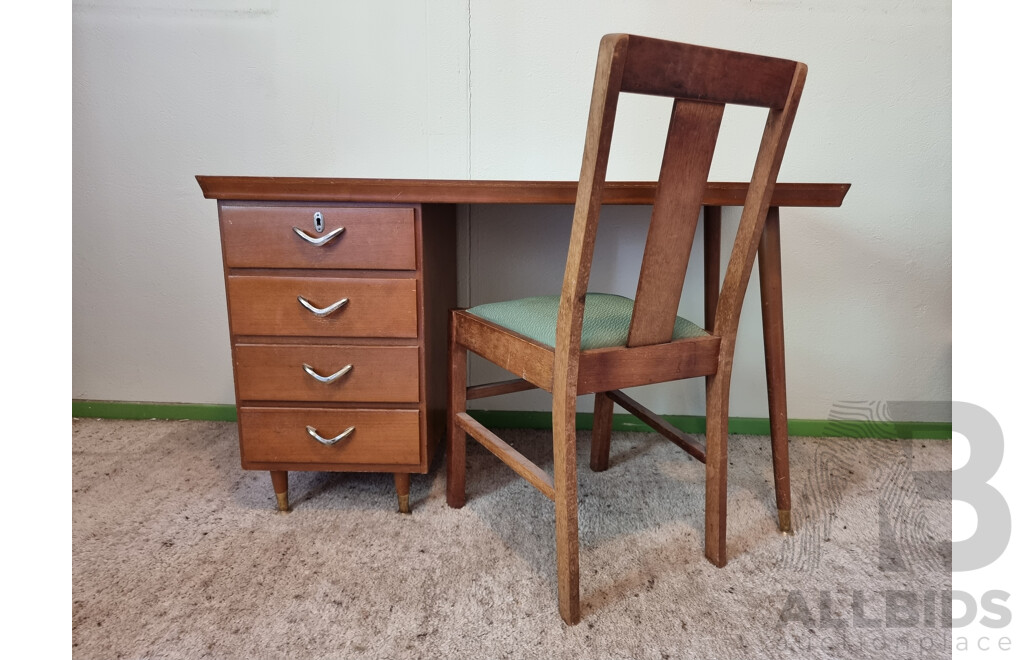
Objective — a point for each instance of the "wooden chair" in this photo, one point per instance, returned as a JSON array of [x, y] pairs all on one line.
[[579, 343]]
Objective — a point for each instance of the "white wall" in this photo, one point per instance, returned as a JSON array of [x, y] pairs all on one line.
[[500, 90]]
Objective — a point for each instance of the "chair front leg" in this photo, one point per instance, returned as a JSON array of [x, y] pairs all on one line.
[[563, 408], [456, 454], [716, 467]]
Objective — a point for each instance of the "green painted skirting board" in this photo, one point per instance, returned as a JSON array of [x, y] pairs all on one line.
[[136, 410], [539, 420]]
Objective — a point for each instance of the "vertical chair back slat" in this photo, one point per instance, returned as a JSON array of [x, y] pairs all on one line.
[[692, 134]]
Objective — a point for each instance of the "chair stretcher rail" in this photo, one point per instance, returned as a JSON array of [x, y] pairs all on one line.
[[519, 463], [685, 442]]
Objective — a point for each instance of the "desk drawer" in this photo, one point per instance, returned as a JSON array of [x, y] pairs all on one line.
[[270, 305], [373, 238], [279, 435], [385, 374]]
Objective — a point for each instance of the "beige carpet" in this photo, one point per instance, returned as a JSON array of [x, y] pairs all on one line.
[[179, 553]]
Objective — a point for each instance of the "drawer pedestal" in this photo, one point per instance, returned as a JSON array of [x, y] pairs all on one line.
[[338, 334]]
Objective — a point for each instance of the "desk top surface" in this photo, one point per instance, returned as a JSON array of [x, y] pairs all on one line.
[[451, 191]]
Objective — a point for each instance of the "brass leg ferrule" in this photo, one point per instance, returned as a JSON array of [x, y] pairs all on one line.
[[282, 501], [403, 504], [785, 522]]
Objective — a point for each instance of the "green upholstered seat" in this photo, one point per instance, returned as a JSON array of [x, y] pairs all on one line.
[[606, 319]]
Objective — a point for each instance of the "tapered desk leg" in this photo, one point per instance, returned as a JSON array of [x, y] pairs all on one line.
[[280, 481], [712, 263], [769, 264], [402, 486], [717, 432]]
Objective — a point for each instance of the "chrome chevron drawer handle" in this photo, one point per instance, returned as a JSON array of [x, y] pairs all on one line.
[[326, 311], [323, 240], [329, 441], [327, 379]]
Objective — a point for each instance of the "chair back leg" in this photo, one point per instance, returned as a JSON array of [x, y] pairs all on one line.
[[601, 436], [563, 407]]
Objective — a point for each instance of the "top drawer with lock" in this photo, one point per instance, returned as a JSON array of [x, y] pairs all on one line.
[[300, 236]]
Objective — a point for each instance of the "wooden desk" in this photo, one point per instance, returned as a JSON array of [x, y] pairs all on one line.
[[383, 409]]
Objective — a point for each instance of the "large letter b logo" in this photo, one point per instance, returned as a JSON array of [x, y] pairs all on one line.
[[970, 485]]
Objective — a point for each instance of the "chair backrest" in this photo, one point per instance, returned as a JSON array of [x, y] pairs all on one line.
[[702, 81]]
